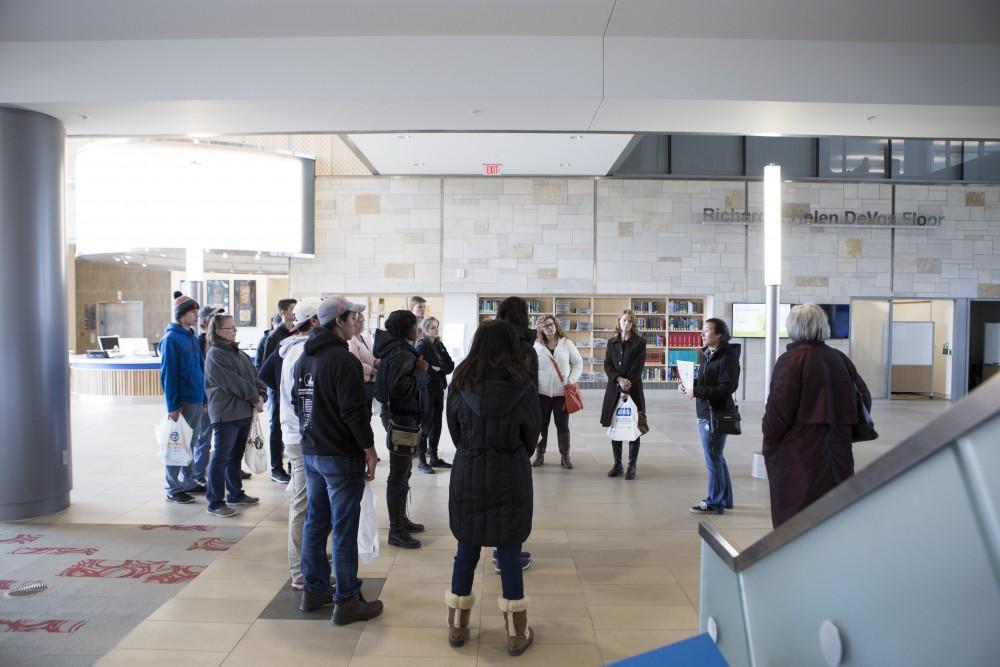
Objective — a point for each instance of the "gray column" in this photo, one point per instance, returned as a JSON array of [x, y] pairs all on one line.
[[35, 472]]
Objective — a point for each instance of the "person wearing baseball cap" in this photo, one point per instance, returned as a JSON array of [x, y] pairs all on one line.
[[277, 372], [339, 451], [182, 376]]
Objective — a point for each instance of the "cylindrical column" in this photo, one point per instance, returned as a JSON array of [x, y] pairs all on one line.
[[35, 472], [771, 328]]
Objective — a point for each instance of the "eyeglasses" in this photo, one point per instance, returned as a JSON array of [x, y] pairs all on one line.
[[226, 329]]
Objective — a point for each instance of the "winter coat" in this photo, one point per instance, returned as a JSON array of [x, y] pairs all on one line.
[[397, 384], [279, 334], [436, 355], [807, 425], [289, 352], [329, 398], [717, 380], [258, 359], [494, 426], [570, 365], [360, 348], [624, 359], [527, 337], [231, 384], [181, 372]]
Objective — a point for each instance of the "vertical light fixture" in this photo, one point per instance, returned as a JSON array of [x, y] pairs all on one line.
[[772, 267]]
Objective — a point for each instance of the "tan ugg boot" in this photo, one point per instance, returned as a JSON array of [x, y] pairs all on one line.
[[515, 619], [459, 610]]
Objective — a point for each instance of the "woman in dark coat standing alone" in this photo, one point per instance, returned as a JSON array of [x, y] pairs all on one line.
[[432, 387], [810, 410], [493, 418], [623, 362]]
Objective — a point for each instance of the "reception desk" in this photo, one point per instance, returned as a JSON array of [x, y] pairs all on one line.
[[137, 377]]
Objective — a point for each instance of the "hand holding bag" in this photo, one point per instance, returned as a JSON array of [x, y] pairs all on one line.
[[368, 546], [571, 392], [174, 439], [255, 455]]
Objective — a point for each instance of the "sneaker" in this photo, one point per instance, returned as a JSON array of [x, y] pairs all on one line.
[[526, 561], [280, 476], [425, 468], [180, 498], [705, 508], [200, 488], [244, 500], [245, 475], [298, 583], [225, 511], [440, 463]]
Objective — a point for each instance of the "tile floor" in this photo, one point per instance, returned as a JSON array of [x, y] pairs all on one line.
[[616, 563]]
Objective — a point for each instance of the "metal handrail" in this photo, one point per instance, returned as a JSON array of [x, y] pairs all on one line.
[[967, 415]]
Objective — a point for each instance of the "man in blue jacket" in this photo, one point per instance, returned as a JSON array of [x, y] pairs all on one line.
[[183, 381]]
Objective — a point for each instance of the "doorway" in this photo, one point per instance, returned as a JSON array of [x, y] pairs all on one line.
[[903, 347], [984, 341]]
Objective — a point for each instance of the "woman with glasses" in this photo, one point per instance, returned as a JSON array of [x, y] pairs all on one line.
[[559, 364], [234, 393]]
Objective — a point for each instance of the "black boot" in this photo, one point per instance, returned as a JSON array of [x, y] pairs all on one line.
[[633, 455], [564, 459], [616, 451], [313, 601], [434, 459], [398, 534], [540, 452]]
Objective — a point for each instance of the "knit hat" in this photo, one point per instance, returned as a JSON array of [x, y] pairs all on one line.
[[183, 304], [400, 323]]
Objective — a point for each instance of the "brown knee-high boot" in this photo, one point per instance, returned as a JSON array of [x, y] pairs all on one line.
[[564, 451]]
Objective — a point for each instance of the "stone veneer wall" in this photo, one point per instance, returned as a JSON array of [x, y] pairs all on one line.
[[537, 235]]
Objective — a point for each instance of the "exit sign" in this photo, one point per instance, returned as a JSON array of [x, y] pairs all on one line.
[[491, 169]]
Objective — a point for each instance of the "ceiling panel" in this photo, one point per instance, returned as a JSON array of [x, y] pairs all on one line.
[[467, 153]]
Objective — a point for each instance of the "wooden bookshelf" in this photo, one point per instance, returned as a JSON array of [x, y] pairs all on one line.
[[671, 326]]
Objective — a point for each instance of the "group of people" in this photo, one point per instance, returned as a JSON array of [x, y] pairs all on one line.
[[321, 376]]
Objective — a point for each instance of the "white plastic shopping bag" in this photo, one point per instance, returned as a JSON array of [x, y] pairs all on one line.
[[255, 456], [368, 527], [174, 439], [625, 422]]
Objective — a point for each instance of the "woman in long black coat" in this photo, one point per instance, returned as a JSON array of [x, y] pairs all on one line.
[[809, 415], [493, 418], [433, 383], [623, 362]]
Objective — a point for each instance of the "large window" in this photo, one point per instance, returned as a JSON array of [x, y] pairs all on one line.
[[649, 155], [982, 161], [853, 158], [704, 155], [796, 155], [926, 159]]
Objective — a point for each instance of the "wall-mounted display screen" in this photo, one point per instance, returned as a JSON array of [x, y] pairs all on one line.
[[839, 315], [749, 320]]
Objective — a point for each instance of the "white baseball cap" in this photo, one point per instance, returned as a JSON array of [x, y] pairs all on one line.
[[304, 311]]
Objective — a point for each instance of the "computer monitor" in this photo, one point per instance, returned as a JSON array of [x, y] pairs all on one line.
[[108, 343]]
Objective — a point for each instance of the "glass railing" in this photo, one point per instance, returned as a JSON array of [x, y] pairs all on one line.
[[899, 565]]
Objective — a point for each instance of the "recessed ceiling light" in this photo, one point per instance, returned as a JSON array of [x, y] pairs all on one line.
[[128, 256], [225, 255], [118, 259], [576, 136], [125, 262], [144, 266], [163, 254], [419, 164], [565, 164], [404, 137]]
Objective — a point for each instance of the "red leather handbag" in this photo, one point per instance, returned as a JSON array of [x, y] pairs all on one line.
[[571, 392]]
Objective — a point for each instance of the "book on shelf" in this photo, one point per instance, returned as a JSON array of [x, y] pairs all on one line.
[[685, 306], [642, 306]]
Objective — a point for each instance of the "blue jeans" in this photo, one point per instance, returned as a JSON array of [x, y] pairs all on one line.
[[224, 465], [183, 478], [508, 560], [202, 448], [335, 486], [720, 487]]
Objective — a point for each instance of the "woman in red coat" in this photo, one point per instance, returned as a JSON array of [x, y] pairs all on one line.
[[808, 417]]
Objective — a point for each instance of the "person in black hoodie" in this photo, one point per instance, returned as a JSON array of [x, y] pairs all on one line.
[[623, 363], [433, 351], [271, 345], [397, 388], [717, 380], [339, 451], [493, 417], [514, 311]]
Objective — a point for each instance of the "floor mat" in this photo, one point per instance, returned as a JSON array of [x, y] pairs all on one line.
[[285, 605], [102, 581]]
